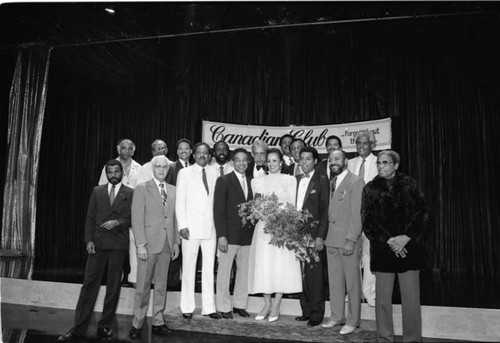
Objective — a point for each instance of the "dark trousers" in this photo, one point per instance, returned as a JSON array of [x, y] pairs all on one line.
[[312, 298], [94, 270]]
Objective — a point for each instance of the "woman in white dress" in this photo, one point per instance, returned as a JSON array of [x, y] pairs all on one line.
[[272, 269]]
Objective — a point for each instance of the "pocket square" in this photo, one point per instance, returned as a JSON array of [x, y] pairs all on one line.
[[313, 191]]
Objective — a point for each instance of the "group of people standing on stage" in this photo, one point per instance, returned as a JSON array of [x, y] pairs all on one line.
[[368, 215]]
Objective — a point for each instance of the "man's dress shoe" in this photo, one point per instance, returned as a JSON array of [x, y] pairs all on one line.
[[70, 337], [104, 333], [346, 329], [187, 315], [160, 330], [214, 315], [313, 323], [227, 315], [301, 318], [242, 312], [134, 333]]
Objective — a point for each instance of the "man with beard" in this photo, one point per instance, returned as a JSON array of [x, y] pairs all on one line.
[[195, 218], [257, 167], [294, 168], [365, 167], [332, 143], [221, 151], [284, 143], [106, 237], [157, 242], [342, 244], [233, 238], [126, 149], [184, 151]]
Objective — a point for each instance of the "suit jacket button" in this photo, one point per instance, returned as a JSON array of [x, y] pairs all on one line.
[[164, 228]]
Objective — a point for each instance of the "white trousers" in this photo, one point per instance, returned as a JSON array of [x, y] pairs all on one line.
[[190, 250], [368, 277]]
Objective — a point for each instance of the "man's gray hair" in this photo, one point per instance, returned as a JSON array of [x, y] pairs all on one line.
[[394, 155], [159, 159], [366, 133], [261, 143]]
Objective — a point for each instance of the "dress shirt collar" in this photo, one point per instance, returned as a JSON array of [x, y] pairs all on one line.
[[340, 178], [158, 184], [117, 187]]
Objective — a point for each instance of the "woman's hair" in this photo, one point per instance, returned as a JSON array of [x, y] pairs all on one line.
[[274, 151], [394, 155]]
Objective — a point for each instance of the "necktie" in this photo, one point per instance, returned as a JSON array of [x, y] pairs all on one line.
[[362, 169], [205, 182], [221, 168], [112, 195], [163, 194], [259, 167], [244, 186], [186, 164], [332, 186]]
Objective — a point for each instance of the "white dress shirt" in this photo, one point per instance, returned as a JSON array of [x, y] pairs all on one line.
[[302, 189], [117, 188]]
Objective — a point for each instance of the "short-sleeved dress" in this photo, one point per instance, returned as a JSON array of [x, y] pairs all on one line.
[[273, 269]]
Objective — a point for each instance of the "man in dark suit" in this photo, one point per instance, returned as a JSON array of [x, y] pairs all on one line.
[[343, 244], [257, 167], [106, 236], [332, 143], [157, 241], [312, 195], [233, 240], [184, 151], [295, 148]]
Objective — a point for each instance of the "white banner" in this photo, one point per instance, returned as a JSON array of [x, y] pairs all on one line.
[[242, 136]]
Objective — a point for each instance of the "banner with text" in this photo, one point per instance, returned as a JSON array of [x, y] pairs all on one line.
[[242, 136]]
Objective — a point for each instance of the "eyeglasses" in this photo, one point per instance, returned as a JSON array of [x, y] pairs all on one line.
[[159, 148], [384, 163]]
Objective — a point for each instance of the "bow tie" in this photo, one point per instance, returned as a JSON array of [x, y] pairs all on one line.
[[259, 167]]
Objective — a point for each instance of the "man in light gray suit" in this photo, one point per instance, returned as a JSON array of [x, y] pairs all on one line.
[[342, 244], [157, 242]]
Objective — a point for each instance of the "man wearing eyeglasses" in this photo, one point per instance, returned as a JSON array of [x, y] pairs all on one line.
[[365, 166], [157, 243]]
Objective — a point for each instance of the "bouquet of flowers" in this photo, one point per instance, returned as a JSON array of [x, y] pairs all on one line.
[[284, 223]]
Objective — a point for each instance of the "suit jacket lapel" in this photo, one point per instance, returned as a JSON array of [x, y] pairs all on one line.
[[151, 186], [119, 197], [344, 183], [105, 198], [310, 187], [233, 178]]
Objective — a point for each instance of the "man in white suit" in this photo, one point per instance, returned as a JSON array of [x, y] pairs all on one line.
[[365, 166], [194, 211]]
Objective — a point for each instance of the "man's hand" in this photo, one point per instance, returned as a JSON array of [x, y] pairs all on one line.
[[348, 248], [110, 224], [319, 244], [142, 253], [223, 244], [175, 252], [184, 233], [91, 248]]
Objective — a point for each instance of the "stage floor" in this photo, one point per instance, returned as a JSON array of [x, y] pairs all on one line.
[[436, 290], [30, 324]]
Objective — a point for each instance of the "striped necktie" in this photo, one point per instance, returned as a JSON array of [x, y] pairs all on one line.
[[163, 194]]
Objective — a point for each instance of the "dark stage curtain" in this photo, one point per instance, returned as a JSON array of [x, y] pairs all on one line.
[[437, 80], [25, 120]]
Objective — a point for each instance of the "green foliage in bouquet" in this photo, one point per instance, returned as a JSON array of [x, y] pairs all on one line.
[[286, 225]]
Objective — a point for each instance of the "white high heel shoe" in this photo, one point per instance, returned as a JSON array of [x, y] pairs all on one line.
[[273, 319], [259, 317]]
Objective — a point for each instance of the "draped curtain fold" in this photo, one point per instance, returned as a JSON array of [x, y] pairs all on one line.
[[26, 114]]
